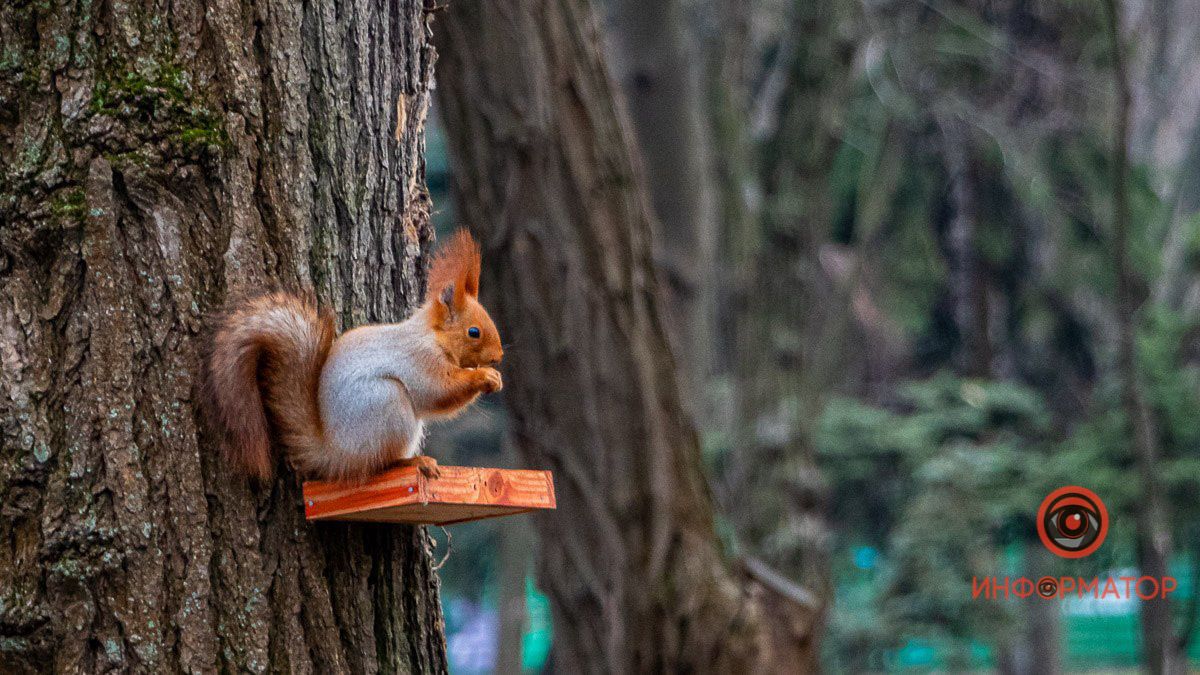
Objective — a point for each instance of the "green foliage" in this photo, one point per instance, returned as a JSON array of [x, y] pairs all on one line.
[[946, 479], [935, 485], [1097, 452]]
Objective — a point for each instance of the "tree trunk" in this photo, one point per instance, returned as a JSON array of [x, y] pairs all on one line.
[[1161, 650], [965, 275], [630, 560], [515, 560], [515, 549], [1043, 634], [793, 317], [659, 69], [159, 158]]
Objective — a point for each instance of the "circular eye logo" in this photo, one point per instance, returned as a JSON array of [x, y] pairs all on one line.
[[1047, 587], [1072, 522]]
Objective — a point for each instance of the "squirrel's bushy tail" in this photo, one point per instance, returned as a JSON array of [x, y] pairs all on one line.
[[267, 355]]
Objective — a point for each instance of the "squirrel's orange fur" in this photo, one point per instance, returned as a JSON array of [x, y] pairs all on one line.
[[345, 409]]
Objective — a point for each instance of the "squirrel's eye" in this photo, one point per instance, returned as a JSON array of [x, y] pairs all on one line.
[[473, 331]]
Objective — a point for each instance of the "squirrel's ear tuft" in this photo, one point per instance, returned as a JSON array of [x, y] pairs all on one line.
[[474, 262], [457, 262]]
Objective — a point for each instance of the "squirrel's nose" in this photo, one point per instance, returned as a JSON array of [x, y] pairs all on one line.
[[494, 362]]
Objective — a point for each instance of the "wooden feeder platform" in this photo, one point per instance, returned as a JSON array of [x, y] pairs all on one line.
[[405, 495]]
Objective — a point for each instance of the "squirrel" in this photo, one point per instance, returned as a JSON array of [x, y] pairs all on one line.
[[345, 409]]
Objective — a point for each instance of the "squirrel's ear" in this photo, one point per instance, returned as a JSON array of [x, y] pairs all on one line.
[[452, 298], [443, 307]]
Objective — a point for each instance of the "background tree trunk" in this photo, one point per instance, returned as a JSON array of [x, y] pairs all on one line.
[[658, 67], [630, 560], [788, 302], [965, 282], [158, 158], [1161, 649], [516, 548]]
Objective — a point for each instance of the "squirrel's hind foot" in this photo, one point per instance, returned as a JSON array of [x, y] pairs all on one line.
[[427, 465]]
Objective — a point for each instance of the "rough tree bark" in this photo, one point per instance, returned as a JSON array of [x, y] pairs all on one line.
[[544, 173], [156, 158]]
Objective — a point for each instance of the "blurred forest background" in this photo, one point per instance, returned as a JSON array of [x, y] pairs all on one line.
[[925, 261]]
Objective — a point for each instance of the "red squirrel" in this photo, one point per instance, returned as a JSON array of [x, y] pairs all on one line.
[[346, 408]]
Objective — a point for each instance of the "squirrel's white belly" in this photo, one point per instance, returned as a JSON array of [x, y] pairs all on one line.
[[366, 408]]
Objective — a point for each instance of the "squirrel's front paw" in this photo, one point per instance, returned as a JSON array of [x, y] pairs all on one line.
[[492, 381]]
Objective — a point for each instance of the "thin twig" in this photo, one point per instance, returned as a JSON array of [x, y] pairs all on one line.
[[449, 548]]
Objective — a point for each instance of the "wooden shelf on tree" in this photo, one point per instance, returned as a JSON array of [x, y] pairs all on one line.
[[405, 495]]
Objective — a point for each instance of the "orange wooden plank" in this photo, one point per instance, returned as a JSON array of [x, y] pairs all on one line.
[[405, 495]]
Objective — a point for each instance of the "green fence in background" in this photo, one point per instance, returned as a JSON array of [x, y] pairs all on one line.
[[1095, 634]]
